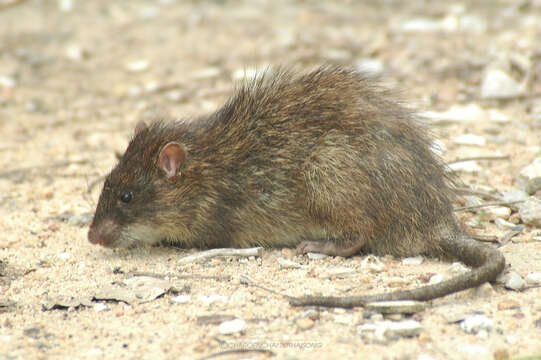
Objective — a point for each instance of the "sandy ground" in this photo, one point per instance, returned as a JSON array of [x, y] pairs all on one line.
[[75, 77]]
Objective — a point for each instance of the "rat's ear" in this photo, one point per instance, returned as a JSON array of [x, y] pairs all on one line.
[[171, 158], [141, 125]]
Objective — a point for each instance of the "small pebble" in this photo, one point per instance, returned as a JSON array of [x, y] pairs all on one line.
[[151, 86], [416, 260], [530, 212], [508, 304], [372, 264], [135, 91], [482, 291], [64, 255], [470, 139], [474, 351], [231, 327], [437, 278], [458, 113], [35, 106], [405, 328], [370, 66], [465, 166], [396, 281], [7, 81], [149, 12], [343, 319], [533, 278], [336, 54], [245, 74], [207, 73], [465, 22], [495, 139], [181, 299], [501, 354], [394, 317], [476, 323], [80, 220], [529, 178], [512, 280], [305, 323], [421, 25], [535, 109], [65, 5], [316, 256], [515, 219], [473, 201], [389, 330], [97, 352], [100, 307], [497, 84], [211, 298], [491, 213], [137, 66], [514, 195], [498, 117], [504, 224], [438, 147], [75, 52], [175, 95], [288, 264], [455, 269], [288, 253]]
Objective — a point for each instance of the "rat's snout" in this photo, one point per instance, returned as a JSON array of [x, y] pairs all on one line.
[[103, 233]]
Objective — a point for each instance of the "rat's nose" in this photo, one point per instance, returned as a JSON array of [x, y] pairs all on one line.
[[94, 237], [103, 233]]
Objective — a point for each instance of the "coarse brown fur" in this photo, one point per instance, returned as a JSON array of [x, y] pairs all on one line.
[[327, 161]]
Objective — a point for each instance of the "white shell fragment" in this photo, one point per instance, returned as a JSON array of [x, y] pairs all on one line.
[[137, 66], [533, 278], [415, 260], [471, 139], [387, 330], [497, 84], [512, 280], [181, 299], [476, 323], [211, 299], [231, 327]]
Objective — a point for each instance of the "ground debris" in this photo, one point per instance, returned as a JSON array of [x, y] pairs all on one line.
[[63, 302], [137, 289]]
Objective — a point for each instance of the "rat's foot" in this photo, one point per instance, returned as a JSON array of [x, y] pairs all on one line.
[[328, 247]]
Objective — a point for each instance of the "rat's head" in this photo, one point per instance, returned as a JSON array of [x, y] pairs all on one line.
[[135, 193]]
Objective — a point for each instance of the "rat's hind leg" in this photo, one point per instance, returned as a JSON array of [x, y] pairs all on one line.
[[329, 247], [337, 202]]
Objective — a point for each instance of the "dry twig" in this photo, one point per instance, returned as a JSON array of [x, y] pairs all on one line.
[[488, 204], [209, 254], [475, 158], [511, 234]]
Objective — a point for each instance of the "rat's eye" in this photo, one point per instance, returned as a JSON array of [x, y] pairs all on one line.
[[126, 197]]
